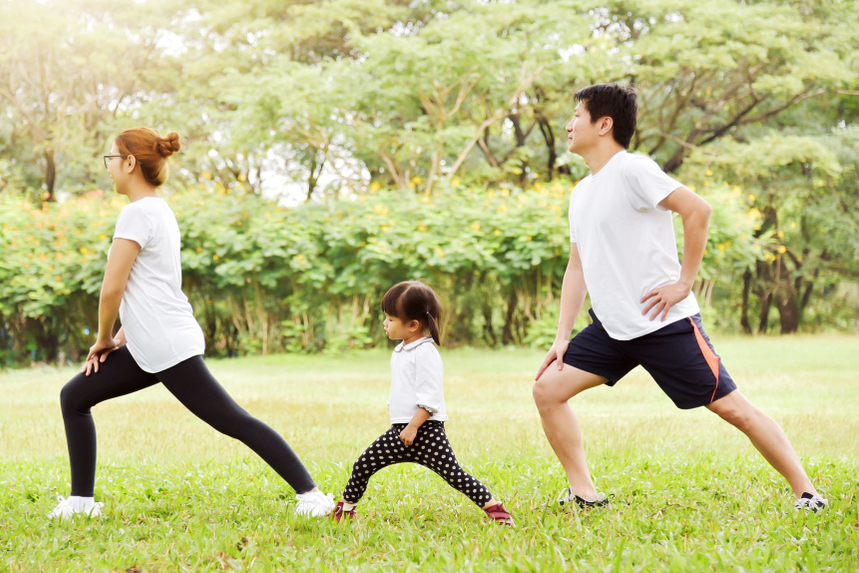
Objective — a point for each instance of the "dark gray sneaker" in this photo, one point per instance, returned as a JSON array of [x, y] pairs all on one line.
[[567, 496], [810, 502]]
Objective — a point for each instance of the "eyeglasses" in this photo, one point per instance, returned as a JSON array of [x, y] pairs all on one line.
[[107, 159]]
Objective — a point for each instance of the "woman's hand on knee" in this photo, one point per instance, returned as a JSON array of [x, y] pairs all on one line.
[[99, 352]]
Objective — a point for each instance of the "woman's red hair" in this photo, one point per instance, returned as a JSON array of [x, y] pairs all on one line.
[[150, 150]]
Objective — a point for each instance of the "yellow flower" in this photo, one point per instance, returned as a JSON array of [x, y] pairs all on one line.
[[206, 175], [455, 183], [423, 228], [691, 188], [380, 210], [502, 208], [475, 226], [84, 251], [708, 173], [215, 257], [385, 228], [497, 231], [375, 186], [417, 180], [199, 249], [300, 257], [782, 249], [557, 187], [751, 198], [439, 252], [792, 225], [780, 234]]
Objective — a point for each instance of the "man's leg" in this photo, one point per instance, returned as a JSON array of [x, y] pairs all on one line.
[[767, 436], [551, 393]]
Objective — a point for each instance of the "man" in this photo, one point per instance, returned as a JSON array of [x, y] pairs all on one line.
[[623, 252]]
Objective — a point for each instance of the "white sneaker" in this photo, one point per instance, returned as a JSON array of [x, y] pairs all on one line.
[[567, 496], [810, 502], [70, 506], [314, 504]]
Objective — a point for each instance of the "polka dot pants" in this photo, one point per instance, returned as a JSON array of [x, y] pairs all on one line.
[[430, 449]]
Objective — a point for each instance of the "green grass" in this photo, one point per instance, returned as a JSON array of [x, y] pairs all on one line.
[[690, 493]]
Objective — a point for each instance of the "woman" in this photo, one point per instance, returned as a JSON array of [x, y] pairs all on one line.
[[160, 340]]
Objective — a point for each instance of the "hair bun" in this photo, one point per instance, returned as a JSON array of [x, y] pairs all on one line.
[[169, 145]]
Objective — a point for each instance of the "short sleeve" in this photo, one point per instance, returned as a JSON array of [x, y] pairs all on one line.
[[134, 226], [648, 183], [428, 382]]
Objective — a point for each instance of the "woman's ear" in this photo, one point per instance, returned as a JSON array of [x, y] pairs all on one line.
[[130, 163]]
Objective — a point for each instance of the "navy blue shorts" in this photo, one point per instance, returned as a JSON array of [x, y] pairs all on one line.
[[679, 356]]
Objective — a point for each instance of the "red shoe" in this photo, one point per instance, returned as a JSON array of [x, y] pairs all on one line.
[[338, 513], [499, 514]]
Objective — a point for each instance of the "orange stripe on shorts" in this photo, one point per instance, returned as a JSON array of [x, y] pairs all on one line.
[[709, 356]]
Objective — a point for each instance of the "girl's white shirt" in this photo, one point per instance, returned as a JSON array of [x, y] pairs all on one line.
[[416, 381], [158, 319]]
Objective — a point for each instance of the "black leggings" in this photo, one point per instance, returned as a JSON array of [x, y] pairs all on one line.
[[430, 449], [193, 385]]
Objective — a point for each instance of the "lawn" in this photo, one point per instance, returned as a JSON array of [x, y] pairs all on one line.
[[690, 492]]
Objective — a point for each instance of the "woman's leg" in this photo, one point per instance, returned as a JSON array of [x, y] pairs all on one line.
[[192, 383], [434, 451], [117, 376], [387, 450]]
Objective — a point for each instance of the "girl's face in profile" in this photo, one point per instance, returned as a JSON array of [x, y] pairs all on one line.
[[395, 328]]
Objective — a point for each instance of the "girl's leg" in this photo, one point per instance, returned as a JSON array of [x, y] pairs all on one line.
[[387, 450], [118, 375], [192, 383], [434, 451]]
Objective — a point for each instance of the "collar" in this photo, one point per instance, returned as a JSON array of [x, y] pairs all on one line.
[[412, 345]]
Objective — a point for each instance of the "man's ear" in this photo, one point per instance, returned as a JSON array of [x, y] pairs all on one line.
[[605, 125]]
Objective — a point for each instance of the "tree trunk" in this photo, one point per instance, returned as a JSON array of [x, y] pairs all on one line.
[[766, 301], [549, 137], [50, 174], [788, 311], [507, 334], [744, 312]]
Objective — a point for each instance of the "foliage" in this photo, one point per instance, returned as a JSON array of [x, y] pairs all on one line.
[[311, 100], [265, 278]]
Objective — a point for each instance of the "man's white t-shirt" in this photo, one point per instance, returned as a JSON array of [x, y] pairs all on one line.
[[159, 323], [626, 243], [416, 381]]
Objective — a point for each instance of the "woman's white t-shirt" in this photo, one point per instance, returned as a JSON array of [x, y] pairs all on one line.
[[416, 381], [158, 320], [626, 243]]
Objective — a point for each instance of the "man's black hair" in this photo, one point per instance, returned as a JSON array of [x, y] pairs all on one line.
[[615, 101]]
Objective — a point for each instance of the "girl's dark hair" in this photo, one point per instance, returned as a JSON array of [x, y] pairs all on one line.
[[617, 102], [413, 300]]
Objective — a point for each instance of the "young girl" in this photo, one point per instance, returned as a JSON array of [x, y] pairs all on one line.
[[416, 405], [160, 340]]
